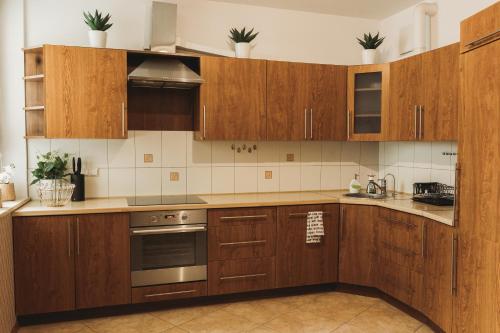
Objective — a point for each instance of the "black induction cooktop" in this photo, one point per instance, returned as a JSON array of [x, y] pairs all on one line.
[[164, 200]]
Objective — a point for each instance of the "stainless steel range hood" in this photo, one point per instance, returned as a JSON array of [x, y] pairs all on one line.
[[164, 73]]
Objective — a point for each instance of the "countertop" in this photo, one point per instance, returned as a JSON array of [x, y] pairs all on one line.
[[402, 202], [10, 206]]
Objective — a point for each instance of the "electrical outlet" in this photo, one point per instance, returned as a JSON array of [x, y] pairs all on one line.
[[174, 176], [148, 158], [290, 157], [268, 175]]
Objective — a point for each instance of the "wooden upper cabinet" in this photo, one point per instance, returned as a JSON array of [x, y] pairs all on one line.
[[102, 260], [44, 264], [440, 81], [367, 102], [327, 115], [299, 263], [357, 244], [481, 28], [85, 92], [405, 97], [233, 99], [288, 100]]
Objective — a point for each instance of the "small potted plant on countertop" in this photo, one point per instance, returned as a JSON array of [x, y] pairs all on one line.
[[7, 191], [370, 44], [242, 39], [98, 26], [49, 174]]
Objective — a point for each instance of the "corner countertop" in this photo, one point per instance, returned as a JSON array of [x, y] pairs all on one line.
[[402, 202], [10, 206]]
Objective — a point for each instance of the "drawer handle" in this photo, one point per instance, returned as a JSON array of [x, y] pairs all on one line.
[[239, 277], [484, 39], [406, 224], [255, 242], [304, 214], [171, 293], [243, 217]]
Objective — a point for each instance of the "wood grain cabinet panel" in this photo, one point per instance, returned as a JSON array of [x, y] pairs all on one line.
[[357, 244], [85, 92], [299, 263], [102, 260], [233, 99], [480, 28], [44, 264]]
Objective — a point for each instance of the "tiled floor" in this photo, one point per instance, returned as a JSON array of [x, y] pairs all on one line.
[[318, 312]]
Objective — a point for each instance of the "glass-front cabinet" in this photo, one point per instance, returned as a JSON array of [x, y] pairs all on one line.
[[368, 102]]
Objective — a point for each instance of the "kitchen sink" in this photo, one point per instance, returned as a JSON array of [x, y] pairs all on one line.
[[365, 195]]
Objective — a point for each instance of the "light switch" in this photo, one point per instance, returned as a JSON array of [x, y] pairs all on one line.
[[148, 158], [268, 175], [290, 157], [174, 176]]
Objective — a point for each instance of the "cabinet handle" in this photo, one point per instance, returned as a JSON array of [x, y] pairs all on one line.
[[204, 122], [171, 293], [305, 124], [123, 119], [69, 239], [454, 245], [482, 39], [424, 240], [304, 214], [238, 277], [77, 236], [348, 124], [457, 195], [420, 110], [255, 242], [415, 125], [311, 123], [342, 221], [243, 217]]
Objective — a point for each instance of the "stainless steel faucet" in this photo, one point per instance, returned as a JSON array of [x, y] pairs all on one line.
[[383, 184]]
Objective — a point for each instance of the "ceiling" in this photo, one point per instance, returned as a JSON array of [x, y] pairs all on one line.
[[372, 9]]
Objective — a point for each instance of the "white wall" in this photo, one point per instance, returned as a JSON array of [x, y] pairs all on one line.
[[284, 34], [12, 144], [445, 26]]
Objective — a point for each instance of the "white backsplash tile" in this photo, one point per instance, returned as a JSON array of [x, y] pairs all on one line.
[[199, 153], [222, 179], [440, 161], [391, 153], [94, 154], [244, 157], [330, 177], [222, 154], [268, 185], [289, 148], [406, 154], [147, 181], [268, 153], [174, 149], [423, 155], [245, 179], [121, 153], [35, 148], [290, 178], [347, 173], [310, 177], [368, 170], [441, 176], [70, 146], [199, 180], [97, 186], [147, 143], [331, 152], [405, 180], [421, 175], [173, 186], [369, 153], [351, 153], [121, 182], [310, 152]]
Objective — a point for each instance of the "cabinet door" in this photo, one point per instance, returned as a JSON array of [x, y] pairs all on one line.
[[102, 260], [44, 267], [438, 274], [85, 92], [405, 96], [233, 99], [288, 100], [298, 263], [328, 110], [439, 113], [357, 244]]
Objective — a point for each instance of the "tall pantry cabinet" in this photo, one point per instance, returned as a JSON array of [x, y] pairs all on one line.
[[477, 306]]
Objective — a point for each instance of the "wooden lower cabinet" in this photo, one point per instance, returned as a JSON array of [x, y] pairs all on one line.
[[357, 244], [298, 263], [169, 292], [102, 260], [44, 264]]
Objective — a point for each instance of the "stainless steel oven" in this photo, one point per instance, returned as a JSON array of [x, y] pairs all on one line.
[[168, 247]]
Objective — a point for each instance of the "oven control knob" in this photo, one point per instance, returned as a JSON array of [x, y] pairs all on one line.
[[154, 219]]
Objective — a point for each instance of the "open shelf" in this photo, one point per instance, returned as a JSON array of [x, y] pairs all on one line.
[[34, 99]]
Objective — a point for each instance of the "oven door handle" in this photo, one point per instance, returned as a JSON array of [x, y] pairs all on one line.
[[167, 230]]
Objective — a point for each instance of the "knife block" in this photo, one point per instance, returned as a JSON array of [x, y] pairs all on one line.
[[79, 192]]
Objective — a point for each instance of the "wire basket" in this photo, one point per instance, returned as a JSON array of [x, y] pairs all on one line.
[[55, 192]]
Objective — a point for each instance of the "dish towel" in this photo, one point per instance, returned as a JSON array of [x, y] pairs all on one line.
[[315, 227]]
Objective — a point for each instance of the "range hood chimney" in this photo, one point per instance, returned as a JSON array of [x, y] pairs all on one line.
[[161, 27]]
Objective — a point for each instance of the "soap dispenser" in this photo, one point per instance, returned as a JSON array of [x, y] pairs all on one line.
[[355, 185]]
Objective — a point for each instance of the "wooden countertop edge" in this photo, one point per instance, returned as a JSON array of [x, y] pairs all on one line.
[[45, 211], [17, 204]]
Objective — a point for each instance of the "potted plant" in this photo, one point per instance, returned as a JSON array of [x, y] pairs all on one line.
[[7, 191], [49, 174], [242, 39], [370, 44], [98, 26]]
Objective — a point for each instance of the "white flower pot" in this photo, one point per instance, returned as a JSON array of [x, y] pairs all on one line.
[[369, 56], [97, 38], [242, 50]]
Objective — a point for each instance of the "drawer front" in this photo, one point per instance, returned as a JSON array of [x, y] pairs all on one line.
[[233, 276], [241, 216], [401, 239], [252, 240], [169, 292], [394, 280]]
